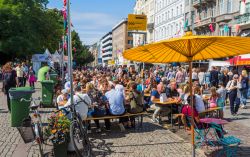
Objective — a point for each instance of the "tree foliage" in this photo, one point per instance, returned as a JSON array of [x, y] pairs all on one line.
[[81, 53], [27, 27]]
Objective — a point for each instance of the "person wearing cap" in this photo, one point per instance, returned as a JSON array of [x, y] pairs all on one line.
[[233, 87], [62, 98]]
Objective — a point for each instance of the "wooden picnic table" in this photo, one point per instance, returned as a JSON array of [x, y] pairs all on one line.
[[169, 102], [147, 94]]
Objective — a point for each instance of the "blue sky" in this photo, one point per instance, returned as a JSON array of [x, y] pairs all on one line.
[[93, 18]]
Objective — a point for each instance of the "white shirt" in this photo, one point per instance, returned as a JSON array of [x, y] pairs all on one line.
[[80, 107], [199, 104], [120, 88]]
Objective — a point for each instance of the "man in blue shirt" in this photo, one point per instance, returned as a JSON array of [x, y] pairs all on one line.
[[116, 105]]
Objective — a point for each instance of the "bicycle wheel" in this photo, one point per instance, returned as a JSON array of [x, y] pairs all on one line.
[[80, 139]]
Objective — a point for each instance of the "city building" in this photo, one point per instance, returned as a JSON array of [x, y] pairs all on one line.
[[169, 19], [146, 7], [94, 51], [242, 21], [106, 48], [122, 40], [211, 17], [99, 52]]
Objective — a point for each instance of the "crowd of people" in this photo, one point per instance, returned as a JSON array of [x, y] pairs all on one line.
[[16, 75], [115, 91]]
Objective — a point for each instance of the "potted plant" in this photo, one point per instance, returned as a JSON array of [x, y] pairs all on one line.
[[58, 132]]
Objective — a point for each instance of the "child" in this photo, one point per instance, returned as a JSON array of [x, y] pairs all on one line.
[[32, 79], [213, 98], [221, 101]]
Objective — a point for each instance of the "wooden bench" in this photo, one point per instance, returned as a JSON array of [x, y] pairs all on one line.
[[141, 114]]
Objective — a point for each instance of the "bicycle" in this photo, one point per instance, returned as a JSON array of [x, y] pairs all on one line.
[[78, 131], [36, 125]]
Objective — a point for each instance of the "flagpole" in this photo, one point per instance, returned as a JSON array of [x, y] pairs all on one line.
[[70, 70]]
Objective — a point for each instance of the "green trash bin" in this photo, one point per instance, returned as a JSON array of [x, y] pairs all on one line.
[[53, 76], [19, 109], [47, 93]]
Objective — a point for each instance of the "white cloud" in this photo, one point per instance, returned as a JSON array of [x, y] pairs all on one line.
[[91, 26]]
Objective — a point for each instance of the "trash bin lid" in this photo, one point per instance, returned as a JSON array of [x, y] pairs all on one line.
[[47, 81], [16, 93]]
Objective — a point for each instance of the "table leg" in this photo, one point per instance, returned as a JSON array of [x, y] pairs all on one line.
[[172, 116]]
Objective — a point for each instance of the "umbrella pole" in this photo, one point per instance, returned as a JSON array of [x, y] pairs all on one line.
[[192, 105]]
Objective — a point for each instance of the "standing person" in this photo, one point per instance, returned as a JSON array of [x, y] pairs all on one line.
[[19, 73], [207, 79], [244, 80], [224, 77], [9, 80], [214, 77], [180, 77], [233, 88], [194, 75], [222, 96], [25, 73], [201, 77], [32, 79]]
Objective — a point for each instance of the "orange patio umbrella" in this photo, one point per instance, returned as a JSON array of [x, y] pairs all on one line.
[[187, 49]]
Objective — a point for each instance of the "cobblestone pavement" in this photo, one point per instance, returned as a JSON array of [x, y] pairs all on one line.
[[151, 140]]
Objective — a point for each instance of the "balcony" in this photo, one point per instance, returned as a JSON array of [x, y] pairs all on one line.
[[198, 3], [204, 22], [107, 53], [225, 17], [243, 19]]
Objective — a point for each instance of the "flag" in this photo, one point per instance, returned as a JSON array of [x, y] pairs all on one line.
[[226, 28], [211, 27], [64, 2], [237, 28], [74, 49], [186, 24], [244, 1]]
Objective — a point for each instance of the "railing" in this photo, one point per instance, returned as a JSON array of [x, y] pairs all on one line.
[[245, 18], [204, 22]]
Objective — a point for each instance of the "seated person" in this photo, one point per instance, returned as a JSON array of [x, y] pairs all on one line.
[[187, 112], [135, 99], [81, 102], [115, 106], [62, 98], [156, 95], [171, 90], [200, 106]]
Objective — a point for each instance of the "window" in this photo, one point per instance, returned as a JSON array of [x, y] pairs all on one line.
[[229, 6], [177, 11], [221, 33], [221, 6], [172, 13], [248, 7], [165, 31], [130, 34], [130, 42], [163, 18], [166, 16], [181, 9], [159, 19]]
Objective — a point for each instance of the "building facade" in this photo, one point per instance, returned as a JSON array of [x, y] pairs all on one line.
[[242, 21], [122, 40], [212, 17], [106, 48], [94, 51], [169, 19], [146, 7]]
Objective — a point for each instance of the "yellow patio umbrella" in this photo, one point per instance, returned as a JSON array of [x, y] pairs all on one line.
[[187, 49]]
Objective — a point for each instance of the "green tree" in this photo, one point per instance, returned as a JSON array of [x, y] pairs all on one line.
[[27, 27], [81, 53]]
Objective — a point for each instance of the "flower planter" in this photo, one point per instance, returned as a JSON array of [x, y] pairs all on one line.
[[60, 150]]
